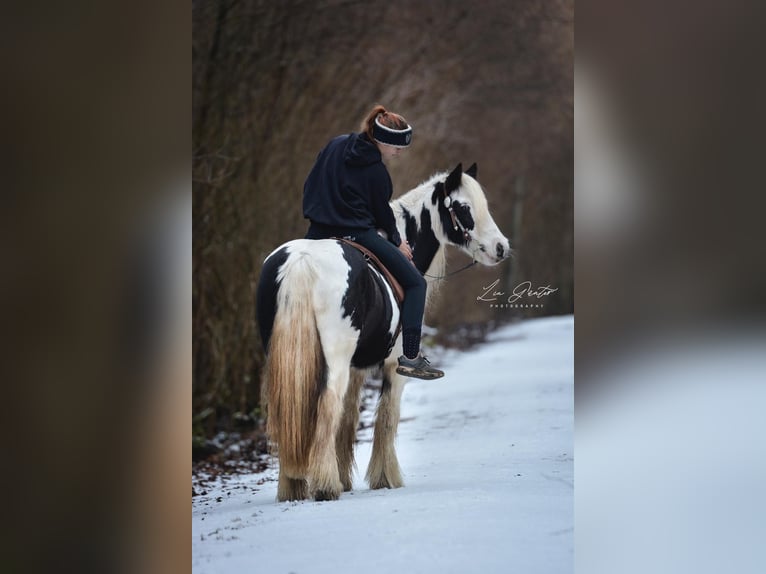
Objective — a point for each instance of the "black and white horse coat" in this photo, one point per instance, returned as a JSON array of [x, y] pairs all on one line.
[[326, 316]]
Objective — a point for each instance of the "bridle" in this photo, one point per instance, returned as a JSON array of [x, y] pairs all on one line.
[[457, 225]]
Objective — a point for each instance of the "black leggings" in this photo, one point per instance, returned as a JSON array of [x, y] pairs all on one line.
[[404, 270]]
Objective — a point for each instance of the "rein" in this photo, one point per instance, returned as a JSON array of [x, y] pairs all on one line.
[[451, 273]]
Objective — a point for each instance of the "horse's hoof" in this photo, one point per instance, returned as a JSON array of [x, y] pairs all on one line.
[[291, 489], [384, 482], [347, 484], [321, 495], [291, 497]]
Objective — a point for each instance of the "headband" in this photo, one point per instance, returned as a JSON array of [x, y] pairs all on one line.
[[392, 137]]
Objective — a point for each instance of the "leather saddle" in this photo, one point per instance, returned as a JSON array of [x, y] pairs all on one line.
[[372, 258]]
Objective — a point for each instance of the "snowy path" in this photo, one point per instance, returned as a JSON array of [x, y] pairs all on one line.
[[486, 455]]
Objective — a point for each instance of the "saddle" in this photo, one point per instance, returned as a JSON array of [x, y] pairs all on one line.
[[372, 258]]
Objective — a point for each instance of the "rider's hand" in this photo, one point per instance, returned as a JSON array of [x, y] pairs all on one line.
[[404, 247]]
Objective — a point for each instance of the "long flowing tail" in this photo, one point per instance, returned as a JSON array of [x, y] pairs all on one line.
[[295, 370]]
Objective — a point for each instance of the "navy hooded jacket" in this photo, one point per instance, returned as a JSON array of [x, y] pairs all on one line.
[[349, 188]]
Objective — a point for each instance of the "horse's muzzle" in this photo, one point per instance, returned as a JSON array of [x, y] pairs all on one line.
[[502, 250]]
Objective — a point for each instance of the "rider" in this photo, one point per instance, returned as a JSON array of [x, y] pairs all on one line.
[[346, 194]]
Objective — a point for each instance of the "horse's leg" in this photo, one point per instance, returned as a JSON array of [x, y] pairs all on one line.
[[323, 476], [346, 437], [291, 488], [383, 471]]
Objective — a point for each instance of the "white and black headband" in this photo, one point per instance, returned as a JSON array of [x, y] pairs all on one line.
[[390, 136]]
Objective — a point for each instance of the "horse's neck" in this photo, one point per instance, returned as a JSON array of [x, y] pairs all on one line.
[[434, 272], [428, 251]]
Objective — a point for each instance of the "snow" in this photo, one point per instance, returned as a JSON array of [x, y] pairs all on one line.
[[486, 455]]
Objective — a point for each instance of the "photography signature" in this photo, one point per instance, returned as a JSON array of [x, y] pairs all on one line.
[[525, 288]]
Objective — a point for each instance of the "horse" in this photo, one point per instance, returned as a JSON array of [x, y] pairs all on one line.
[[327, 318]]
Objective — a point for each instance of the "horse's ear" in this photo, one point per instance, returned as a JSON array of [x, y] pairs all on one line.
[[453, 179], [473, 170]]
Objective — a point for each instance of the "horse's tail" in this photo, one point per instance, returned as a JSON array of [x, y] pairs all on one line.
[[295, 369]]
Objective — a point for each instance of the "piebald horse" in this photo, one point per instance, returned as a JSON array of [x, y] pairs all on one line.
[[326, 317]]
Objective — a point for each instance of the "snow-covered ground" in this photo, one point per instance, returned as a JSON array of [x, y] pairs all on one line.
[[486, 455]]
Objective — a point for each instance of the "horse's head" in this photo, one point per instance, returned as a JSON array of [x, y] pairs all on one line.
[[465, 219]]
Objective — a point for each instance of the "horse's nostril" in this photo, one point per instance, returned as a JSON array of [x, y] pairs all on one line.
[[499, 249]]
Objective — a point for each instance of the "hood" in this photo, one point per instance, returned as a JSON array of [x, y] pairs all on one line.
[[360, 151]]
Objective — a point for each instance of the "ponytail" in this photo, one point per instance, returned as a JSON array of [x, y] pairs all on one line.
[[369, 121]]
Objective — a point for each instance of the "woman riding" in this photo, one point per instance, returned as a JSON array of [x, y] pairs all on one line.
[[346, 194]]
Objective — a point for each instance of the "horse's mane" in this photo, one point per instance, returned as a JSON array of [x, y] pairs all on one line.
[[414, 197]]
